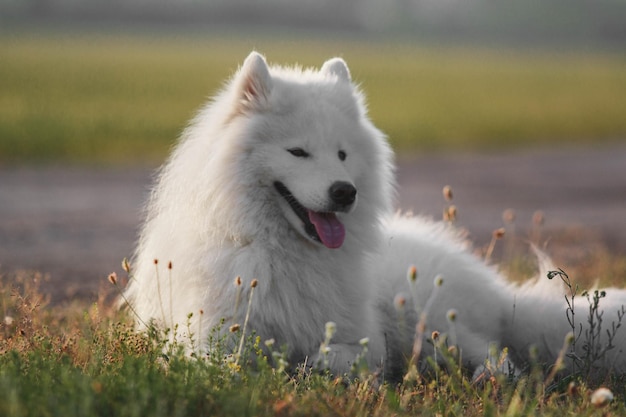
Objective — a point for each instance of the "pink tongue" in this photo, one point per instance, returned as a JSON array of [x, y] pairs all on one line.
[[329, 229]]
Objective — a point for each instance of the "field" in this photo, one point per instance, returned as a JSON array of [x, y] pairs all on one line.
[[101, 99], [90, 98]]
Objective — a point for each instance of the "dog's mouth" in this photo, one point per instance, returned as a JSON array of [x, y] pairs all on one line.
[[323, 227]]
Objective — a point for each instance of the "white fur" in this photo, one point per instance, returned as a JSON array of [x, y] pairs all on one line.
[[216, 214]]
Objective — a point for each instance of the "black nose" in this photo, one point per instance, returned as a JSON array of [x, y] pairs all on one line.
[[342, 193]]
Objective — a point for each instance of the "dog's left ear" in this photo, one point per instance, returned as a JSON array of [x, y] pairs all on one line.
[[338, 68]]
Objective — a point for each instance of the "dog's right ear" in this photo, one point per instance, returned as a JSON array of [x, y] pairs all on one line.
[[338, 68], [254, 83]]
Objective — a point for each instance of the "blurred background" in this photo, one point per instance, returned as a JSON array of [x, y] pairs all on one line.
[[515, 104]]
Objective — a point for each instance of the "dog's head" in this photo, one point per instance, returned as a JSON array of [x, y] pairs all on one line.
[[310, 143]]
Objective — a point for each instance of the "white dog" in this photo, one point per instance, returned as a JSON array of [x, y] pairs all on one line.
[[283, 178]]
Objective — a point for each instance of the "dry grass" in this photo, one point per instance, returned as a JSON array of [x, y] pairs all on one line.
[[82, 359]]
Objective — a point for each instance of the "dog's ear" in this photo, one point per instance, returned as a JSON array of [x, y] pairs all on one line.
[[338, 68], [254, 83]]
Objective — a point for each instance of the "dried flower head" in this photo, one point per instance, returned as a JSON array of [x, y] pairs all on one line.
[[508, 215], [499, 233], [451, 315], [601, 397], [238, 281], [126, 265], [453, 351], [572, 389], [412, 274], [399, 301], [438, 281], [435, 335], [254, 283], [169, 265], [451, 213], [113, 278], [447, 193], [234, 328]]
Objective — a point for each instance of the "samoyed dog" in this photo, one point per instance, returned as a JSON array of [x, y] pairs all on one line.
[[283, 179]]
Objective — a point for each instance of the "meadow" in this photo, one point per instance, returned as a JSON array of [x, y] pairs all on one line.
[[86, 360], [102, 98]]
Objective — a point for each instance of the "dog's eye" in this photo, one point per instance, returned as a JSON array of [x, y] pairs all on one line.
[[298, 152], [342, 155]]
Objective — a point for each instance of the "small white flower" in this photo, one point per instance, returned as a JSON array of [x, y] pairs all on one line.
[[601, 397], [8, 320], [364, 342]]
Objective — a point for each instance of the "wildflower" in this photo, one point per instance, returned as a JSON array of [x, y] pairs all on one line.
[[412, 274], [451, 315], [447, 193], [601, 397], [438, 281], [8, 320], [238, 281], [364, 342], [572, 389], [508, 216], [499, 233], [399, 301], [234, 328], [450, 214], [254, 283], [435, 335], [126, 265], [453, 351], [270, 343], [331, 328], [113, 278]]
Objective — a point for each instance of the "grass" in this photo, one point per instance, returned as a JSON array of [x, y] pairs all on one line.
[[104, 98], [85, 359]]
